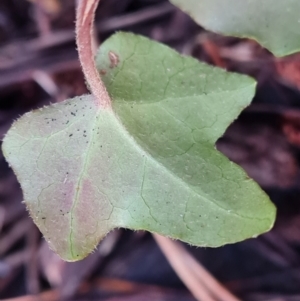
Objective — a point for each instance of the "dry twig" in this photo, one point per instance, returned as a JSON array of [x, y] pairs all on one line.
[[200, 282]]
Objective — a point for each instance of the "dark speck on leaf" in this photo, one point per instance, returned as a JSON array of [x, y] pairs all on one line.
[[70, 135], [72, 113]]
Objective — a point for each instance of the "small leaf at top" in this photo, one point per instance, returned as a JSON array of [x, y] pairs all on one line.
[[148, 163], [274, 24]]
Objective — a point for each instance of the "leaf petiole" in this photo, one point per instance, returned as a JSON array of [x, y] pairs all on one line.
[[84, 36]]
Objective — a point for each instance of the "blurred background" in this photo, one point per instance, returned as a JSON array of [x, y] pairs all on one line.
[[39, 66]]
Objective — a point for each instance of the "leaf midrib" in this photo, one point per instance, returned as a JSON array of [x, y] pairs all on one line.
[[80, 178]]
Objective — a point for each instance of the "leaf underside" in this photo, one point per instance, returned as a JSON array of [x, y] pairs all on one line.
[[274, 24], [149, 163]]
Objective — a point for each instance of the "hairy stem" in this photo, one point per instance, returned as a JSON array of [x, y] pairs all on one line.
[[84, 38]]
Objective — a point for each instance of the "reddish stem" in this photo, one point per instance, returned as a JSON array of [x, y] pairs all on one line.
[[84, 38]]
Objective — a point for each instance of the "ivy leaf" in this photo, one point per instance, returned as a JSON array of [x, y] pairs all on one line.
[[149, 162], [274, 24]]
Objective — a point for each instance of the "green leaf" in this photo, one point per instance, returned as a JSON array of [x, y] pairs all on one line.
[[149, 163], [274, 24]]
